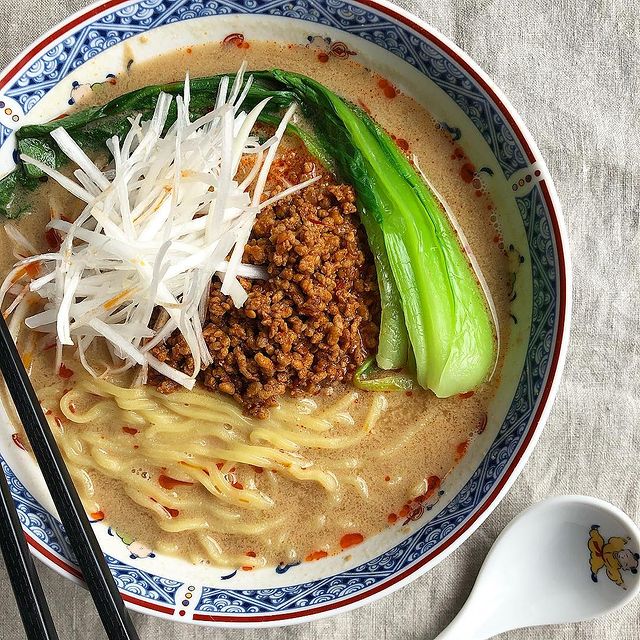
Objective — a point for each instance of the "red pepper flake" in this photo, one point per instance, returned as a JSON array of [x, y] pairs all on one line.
[[251, 554], [483, 424], [392, 518], [468, 394], [403, 144], [189, 50], [387, 88], [136, 446], [17, 440], [58, 422], [53, 239], [64, 372], [387, 478], [247, 568], [72, 407], [351, 539], [364, 106], [97, 515], [171, 483], [433, 484], [258, 469], [461, 450], [219, 465], [174, 513], [32, 269], [237, 485], [323, 57], [316, 555], [408, 393], [404, 511], [130, 430], [467, 172]]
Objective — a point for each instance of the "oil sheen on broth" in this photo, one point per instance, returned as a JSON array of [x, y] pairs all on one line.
[[418, 437]]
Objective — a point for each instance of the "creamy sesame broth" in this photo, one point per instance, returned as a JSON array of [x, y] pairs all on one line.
[[371, 459]]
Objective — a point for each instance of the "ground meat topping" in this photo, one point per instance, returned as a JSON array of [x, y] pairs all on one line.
[[313, 321]]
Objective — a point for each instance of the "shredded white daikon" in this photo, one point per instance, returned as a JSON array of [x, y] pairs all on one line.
[[161, 220]]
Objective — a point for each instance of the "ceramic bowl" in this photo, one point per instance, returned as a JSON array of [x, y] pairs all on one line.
[[87, 48]]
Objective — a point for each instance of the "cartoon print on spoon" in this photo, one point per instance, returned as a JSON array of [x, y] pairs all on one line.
[[612, 556]]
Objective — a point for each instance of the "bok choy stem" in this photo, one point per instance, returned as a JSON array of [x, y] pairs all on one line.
[[362, 379]]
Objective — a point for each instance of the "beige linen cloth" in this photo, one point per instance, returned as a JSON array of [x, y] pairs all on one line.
[[570, 68]]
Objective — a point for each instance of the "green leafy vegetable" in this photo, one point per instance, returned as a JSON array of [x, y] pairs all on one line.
[[393, 341], [92, 127], [362, 378], [445, 311]]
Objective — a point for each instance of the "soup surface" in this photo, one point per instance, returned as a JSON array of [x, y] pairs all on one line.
[[190, 474]]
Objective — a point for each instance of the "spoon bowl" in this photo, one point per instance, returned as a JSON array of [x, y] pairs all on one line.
[[566, 559]]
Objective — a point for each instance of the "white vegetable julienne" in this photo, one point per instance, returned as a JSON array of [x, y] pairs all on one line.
[[159, 223]]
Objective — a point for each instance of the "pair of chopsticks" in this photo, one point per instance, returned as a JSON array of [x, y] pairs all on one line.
[[24, 579]]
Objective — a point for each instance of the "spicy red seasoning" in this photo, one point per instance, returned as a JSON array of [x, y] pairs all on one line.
[[387, 88], [171, 483], [64, 372], [53, 239], [351, 539]]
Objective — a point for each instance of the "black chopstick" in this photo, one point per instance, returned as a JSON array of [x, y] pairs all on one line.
[[32, 604], [93, 565]]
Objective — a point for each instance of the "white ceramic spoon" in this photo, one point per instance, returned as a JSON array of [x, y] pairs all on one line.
[[566, 559]]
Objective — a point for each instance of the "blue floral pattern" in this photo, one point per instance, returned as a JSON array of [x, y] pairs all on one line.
[[48, 531], [88, 40], [5, 132], [144, 584]]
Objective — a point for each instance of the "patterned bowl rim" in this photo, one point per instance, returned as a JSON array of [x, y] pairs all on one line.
[[546, 396]]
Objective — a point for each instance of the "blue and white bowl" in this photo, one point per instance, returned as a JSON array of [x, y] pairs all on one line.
[[88, 47]]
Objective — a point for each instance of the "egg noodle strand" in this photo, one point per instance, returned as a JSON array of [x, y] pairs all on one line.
[[208, 454]]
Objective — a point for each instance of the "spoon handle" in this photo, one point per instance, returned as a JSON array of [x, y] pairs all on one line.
[[473, 622]]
